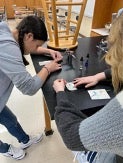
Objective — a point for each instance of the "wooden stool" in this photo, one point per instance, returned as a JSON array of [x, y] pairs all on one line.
[[58, 38]]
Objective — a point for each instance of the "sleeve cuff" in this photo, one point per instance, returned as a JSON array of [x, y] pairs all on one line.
[[108, 73], [61, 97]]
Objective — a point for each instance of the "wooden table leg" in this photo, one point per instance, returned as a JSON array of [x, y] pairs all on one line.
[[48, 130]]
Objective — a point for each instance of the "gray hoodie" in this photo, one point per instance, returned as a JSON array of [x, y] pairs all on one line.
[[12, 69]]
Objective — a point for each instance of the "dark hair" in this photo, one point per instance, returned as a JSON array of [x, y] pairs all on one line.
[[34, 25]]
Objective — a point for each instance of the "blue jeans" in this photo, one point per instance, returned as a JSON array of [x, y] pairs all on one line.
[[9, 120]]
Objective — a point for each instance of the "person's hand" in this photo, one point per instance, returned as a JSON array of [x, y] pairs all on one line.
[[59, 85], [87, 81], [53, 66], [55, 54]]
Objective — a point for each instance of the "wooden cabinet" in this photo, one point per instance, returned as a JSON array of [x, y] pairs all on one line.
[[8, 6], [103, 14], [31, 3], [9, 9], [9, 3], [2, 3], [20, 3]]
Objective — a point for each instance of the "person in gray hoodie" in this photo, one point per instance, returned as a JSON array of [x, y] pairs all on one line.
[[103, 131], [28, 37]]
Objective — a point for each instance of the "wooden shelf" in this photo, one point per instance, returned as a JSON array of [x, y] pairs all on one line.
[[102, 15], [19, 3], [101, 31]]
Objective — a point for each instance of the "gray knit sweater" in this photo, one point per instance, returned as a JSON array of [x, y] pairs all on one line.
[[103, 131], [12, 70]]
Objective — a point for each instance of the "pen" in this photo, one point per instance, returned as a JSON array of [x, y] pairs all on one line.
[[81, 65], [86, 62]]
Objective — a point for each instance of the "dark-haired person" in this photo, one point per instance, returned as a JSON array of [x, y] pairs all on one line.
[[103, 131], [27, 38]]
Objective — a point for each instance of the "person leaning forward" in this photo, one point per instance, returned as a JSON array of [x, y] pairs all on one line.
[[28, 37]]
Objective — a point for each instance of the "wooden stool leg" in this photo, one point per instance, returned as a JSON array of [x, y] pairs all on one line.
[[48, 130]]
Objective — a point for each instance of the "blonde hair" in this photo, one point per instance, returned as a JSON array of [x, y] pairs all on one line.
[[114, 57]]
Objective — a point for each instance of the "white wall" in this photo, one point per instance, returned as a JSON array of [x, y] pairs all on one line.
[[88, 10]]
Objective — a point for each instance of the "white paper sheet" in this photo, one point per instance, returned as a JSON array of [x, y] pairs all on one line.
[[44, 62], [98, 94], [70, 86]]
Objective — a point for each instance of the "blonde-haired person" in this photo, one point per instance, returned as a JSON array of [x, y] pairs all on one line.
[[92, 80], [115, 55], [103, 131]]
